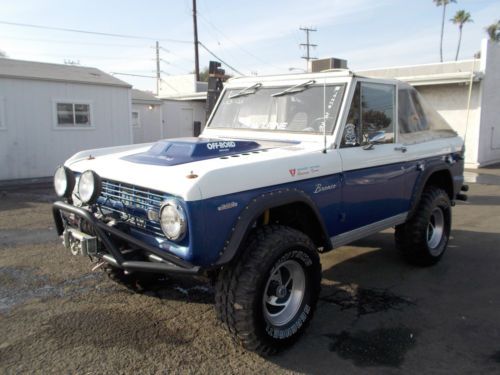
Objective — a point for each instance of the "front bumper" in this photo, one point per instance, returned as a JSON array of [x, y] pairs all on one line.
[[107, 235]]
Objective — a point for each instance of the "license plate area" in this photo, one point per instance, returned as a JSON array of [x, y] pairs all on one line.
[[79, 243]]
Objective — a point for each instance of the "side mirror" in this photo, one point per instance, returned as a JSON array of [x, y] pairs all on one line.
[[374, 138]]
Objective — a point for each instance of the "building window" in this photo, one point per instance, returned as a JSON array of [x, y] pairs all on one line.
[[73, 114], [136, 119]]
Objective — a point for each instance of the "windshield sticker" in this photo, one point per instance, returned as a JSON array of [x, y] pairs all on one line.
[[350, 135], [329, 107]]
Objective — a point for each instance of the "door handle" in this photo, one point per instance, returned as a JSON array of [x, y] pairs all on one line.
[[402, 149]]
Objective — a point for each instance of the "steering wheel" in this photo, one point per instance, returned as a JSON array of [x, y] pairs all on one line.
[[316, 124]]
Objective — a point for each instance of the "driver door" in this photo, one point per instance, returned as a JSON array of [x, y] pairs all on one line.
[[373, 175]]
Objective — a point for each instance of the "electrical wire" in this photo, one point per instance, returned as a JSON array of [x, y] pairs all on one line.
[[207, 22], [218, 58], [74, 42], [130, 74], [92, 32]]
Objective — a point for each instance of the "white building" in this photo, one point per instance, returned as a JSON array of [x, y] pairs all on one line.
[[446, 87], [184, 101], [147, 119], [49, 112]]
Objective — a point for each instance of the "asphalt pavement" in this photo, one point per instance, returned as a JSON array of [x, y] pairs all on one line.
[[376, 315]]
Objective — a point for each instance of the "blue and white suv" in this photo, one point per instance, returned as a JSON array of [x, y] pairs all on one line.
[[288, 167]]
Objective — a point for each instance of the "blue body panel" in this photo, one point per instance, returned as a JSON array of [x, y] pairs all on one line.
[[346, 201], [373, 194]]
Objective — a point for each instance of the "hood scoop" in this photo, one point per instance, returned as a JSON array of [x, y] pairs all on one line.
[[187, 150]]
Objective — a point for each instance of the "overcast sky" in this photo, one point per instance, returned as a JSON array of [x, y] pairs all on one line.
[[254, 37]]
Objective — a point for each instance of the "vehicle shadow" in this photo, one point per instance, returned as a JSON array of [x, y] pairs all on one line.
[[178, 288]]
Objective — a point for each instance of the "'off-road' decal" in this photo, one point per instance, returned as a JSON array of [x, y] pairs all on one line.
[[221, 146]]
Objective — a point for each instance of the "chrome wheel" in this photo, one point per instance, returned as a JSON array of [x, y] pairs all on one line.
[[284, 292], [435, 230]]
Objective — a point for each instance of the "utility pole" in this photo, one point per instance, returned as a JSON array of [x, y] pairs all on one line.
[[196, 59], [158, 72], [307, 45]]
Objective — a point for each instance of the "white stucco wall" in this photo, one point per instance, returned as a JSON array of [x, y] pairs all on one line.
[[178, 117], [32, 146], [489, 138], [150, 123]]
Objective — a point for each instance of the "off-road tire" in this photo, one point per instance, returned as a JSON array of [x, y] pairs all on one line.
[[412, 237], [241, 285], [137, 281]]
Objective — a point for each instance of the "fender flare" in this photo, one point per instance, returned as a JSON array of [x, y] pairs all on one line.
[[257, 206], [422, 181]]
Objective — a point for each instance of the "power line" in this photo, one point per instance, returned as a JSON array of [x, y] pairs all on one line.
[[74, 42], [73, 55], [92, 32], [218, 58], [133, 75], [210, 24]]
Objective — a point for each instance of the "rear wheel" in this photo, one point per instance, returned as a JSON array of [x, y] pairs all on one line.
[[423, 239], [267, 297]]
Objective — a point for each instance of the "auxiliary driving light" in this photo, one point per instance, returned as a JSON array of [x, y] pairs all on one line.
[[64, 182], [89, 187]]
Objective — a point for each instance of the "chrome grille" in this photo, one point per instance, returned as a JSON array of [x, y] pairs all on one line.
[[133, 203]]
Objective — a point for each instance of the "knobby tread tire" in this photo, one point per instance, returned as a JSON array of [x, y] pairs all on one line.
[[238, 286], [411, 238]]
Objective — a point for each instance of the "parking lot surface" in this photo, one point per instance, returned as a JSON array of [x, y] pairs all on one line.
[[376, 314]]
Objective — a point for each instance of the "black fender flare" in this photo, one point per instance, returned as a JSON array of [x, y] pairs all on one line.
[[422, 181], [257, 206]]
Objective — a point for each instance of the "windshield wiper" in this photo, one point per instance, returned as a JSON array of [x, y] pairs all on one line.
[[246, 91], [297, 88]]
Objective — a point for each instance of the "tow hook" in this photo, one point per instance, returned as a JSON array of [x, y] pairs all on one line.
[[98, 265]]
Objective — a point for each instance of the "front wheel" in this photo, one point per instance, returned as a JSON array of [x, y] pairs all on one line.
[[268, 296], [423, 239]]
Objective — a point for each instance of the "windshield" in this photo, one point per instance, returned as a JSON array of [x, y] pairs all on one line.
[[275, 109]]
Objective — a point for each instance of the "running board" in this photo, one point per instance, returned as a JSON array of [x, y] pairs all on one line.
[[356, 234]]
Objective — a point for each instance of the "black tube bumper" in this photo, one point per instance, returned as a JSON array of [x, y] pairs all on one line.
[[105, 233]]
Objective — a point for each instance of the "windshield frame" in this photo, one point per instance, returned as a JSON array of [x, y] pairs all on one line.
[[273, 85]]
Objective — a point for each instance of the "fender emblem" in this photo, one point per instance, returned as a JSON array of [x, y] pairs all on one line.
[[227, 206], [319, 188], [292, 172]]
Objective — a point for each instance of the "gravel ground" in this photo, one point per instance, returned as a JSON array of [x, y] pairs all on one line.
[[376, 314]]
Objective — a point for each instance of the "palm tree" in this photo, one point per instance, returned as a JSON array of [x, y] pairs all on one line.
[[494, 31], [442, 3], [461, 18]]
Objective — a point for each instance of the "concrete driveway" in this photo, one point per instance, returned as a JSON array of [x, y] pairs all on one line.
[[376, 314]]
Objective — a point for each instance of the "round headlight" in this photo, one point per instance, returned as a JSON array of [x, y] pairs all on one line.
[[89, 187], [173, 220], [64, 182]]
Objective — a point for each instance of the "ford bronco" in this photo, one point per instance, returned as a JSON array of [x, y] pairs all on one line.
[[287, 167]]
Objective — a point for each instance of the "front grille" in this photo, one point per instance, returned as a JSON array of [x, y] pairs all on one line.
[[132, 203]]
